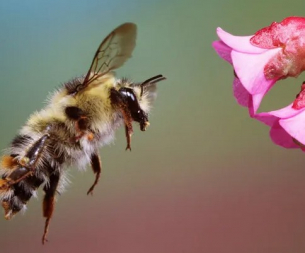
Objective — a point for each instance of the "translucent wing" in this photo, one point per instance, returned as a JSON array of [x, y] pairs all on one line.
[[113, 52]]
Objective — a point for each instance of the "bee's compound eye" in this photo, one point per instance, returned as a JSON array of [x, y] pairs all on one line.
[[133, 105]]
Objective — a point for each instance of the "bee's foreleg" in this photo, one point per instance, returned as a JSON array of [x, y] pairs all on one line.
[[49, 202], [118, 102], [96, 165], [128, 133]]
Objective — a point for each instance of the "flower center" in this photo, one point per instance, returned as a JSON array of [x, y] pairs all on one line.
[[289, 35]]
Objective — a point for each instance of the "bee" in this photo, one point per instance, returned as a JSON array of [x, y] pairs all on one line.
[[80, 117]]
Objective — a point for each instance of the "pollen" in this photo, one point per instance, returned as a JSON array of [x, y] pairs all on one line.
[[90, 136], [3, 185], [24, 161], [8, 162], [7, 210]]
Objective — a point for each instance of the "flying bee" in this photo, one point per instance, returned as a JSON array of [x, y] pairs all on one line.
[[80, 117]]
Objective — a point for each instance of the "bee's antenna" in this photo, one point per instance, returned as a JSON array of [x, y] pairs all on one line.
[[151, 80]]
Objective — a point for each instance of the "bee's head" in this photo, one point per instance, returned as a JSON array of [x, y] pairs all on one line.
[[138, 98], [132, 103]]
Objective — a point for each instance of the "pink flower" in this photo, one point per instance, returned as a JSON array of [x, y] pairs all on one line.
[[287, 126], [274, 52]]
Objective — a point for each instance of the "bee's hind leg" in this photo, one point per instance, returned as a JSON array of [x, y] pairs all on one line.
[[27, 164], [49, 202], [96, 165]]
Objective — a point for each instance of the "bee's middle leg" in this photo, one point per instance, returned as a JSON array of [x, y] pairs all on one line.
[[96, 165]]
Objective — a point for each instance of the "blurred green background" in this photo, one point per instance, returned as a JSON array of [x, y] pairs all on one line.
[[203, 178]]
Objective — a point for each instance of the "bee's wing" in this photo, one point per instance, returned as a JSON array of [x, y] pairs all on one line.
[[112, 53]]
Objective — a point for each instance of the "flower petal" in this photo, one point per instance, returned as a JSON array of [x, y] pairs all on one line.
[[285, 112], [241, 95], [280, 137], [223, 50], [256, 101], [239, 43], [250, 70], [270, 117], [295, 126]]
